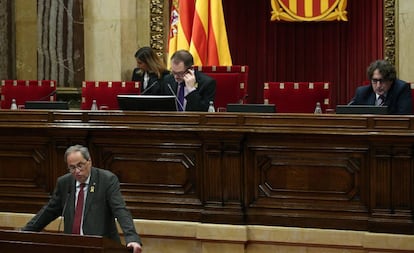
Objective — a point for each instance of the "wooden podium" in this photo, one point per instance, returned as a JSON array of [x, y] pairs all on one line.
[[16, 241]]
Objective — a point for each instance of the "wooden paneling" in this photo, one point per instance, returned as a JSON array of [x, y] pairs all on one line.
[[15, 242], [323, 171]]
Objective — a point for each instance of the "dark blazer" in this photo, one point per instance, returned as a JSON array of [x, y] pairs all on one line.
[[398, 98], [197, 100], [103, 204], [154, 84]]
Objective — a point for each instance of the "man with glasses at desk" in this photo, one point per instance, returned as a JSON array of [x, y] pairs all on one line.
[[89, 199], [194, 90], [385, 89]]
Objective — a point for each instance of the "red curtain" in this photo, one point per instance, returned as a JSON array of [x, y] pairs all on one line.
[[338, 52]]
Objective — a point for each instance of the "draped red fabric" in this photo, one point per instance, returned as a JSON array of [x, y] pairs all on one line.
[[336, 52]]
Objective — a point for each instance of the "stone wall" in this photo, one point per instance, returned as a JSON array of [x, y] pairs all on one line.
[[6, 39], [405, 38]]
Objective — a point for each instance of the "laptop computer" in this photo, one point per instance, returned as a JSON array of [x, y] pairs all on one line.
[[47, 105], [147, 103], [361, 109], [264, 108]]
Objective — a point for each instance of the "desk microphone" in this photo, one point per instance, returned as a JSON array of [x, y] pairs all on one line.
[[241, 101], [148, 88], [64, 208], [176, 98], [47, 97]]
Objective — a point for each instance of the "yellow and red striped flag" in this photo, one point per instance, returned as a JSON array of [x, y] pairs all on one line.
[[199, 26]]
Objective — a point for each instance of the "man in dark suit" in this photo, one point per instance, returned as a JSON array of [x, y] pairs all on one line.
[[101, 194], [385, 89], [194, 90]]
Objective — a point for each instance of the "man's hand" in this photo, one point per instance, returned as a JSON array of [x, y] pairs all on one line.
[[135, 246], [189, 79]]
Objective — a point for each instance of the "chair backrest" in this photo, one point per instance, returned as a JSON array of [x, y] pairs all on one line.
[[231, 83], [105, 93], [26, 90], [297, 97]]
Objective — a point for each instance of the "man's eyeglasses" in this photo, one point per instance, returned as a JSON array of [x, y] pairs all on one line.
[[80, 166], [180, 74], [375, 81]]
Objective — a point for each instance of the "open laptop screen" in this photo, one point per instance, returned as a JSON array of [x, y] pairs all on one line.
[[47, 105], [270, 108], [147, 103], [361, 109]]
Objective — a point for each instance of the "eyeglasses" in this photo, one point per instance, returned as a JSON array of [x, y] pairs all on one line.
[[375, 81], [80, 166], [180, 74]]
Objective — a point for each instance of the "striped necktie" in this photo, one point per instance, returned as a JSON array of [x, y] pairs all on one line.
[[381, 100], [181, 96]]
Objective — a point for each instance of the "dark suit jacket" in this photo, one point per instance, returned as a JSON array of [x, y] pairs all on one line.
[[154, 84], [197, 100], [103, 204], [398, 98]]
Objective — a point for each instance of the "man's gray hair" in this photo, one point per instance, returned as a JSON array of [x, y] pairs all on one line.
[[77, 148]]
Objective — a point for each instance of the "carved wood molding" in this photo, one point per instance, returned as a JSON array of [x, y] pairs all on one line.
[[157, 27], [389, 31]]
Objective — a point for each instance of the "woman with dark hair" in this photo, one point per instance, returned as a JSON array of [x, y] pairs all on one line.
[[150, 71]]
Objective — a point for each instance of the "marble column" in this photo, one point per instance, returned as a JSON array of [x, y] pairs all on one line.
[[25, 32], [6, 40], [405, 32], [110, 38], [115, 30], [60, 38]]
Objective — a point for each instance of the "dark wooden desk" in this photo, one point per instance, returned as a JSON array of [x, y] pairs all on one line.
[[324, 171], [17, 242]]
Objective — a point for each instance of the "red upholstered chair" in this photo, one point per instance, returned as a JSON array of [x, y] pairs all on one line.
[[297, 97], [26, 90], [231, 83], [105, 93]]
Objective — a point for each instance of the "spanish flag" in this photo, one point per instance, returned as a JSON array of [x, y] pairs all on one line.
[[198, 26]]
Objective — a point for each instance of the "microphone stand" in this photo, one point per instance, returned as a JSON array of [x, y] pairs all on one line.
[[63, 210], [176, 98], [148, 88]]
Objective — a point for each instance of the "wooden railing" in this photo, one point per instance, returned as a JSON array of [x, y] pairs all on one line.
[[323, 171]]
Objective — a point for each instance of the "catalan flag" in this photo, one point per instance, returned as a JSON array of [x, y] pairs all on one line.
[[199, 26]]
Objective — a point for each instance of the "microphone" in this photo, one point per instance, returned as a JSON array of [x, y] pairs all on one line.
[[64, 208], [241, 101], [148, 88], [47, 97], [176, 98]]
